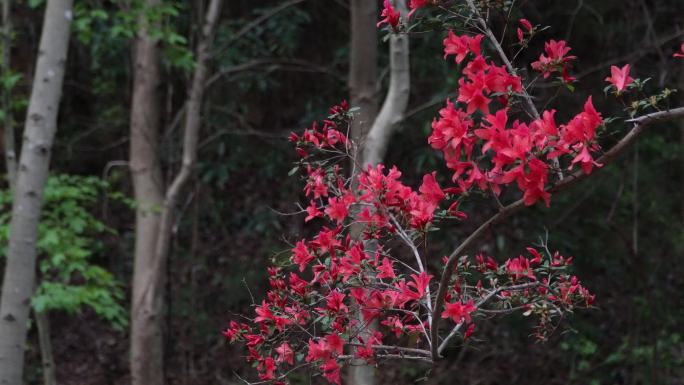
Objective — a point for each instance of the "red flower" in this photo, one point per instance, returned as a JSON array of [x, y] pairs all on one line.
[[267, 369], [555, 59], [430, 189], [313, 211], [680, 53], [263, 313], [335, 343], [415, 4], [285, 353], [334, 302], [420, 283], [301, 255], [386, 269], [526, 23], [389, 16], [585, 160], [337, 210], [520, 267], [458, 311], [537, 257], [331, 371], [317, 351], [461, 46], [619, 77]]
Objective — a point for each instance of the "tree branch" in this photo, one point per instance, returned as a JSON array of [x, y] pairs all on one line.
[[481, 302]]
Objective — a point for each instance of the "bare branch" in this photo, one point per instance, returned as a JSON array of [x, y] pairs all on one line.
[[481, 302]]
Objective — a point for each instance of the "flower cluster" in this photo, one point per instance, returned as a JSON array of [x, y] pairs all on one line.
[[555, 60], [364, 265], [519, 152], [332, 286]]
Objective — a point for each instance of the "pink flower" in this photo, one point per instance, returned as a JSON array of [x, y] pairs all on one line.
[[619, 77], [390, 16], [526, 23], [415, 4], [680, 53], [285, 353], [555, 60]]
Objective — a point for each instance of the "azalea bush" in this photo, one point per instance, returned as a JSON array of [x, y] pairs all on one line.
[[363, 289]]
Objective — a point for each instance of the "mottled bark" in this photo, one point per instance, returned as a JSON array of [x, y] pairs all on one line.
[[146, 335], [32, 173]]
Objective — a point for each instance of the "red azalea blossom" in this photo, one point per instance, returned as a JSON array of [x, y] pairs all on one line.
[[313, 211], [681, 51], [285, 353], [301, 255], [555, 60], [459, 312], [461, 46], [619, 77], [526, 23], [415, 4], [390, 15]]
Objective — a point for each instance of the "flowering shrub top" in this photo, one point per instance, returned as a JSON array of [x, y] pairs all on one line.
[[327, 293]]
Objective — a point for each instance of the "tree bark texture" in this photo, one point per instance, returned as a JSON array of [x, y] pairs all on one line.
[[46, 356], [363, 63], [146, 363], [396, 100], [32, 173]]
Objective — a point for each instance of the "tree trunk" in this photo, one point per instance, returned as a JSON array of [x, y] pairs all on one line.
[[147, 366], [8, 124], [363, 58], [681, 130], [39, 132], [373, 142], [43, 326], [146, 337], [396, 100]]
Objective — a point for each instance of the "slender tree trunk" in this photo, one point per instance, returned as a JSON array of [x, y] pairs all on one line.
[[681, 130], [43, 326], [363, 58], [6, 103], [39, 132], [146, 337], [42, 319], [363, 86], [396, 100], [374, 139], [154, 237]]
